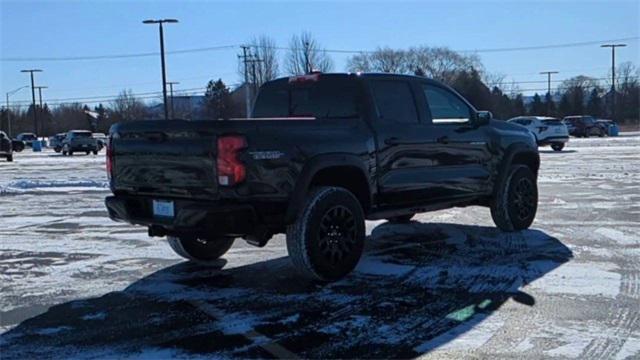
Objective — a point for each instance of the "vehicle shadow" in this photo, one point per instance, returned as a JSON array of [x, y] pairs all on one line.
[[557, 152], [418, 287]]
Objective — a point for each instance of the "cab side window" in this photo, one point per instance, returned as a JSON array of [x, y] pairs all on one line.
[[446, 107], [394, 101]]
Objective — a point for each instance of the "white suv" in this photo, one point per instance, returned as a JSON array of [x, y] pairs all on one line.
[[547, 130]]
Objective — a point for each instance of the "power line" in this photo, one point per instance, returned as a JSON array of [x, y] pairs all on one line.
[[343, 51], [117, 56]]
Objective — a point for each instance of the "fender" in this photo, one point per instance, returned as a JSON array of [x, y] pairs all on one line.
[[507, 159], [309, 171]]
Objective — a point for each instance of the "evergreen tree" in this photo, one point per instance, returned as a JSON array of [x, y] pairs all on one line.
[[537, 107], [594, 104], [564, 108], [218, 101], [549, 105], [518, 106]]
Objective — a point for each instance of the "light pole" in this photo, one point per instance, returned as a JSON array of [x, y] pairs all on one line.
[[171, 83], [164, 73], [33, 98], [613, 74], [548, 73], [8, 111]]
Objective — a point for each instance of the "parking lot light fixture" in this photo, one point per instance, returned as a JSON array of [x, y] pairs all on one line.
[[164, 73]]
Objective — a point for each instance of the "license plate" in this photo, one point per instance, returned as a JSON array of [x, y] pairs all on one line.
[[163, 208]]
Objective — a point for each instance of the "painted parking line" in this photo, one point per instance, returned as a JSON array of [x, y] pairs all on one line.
[[268, 344]]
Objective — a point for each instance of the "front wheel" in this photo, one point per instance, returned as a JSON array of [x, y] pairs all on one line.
[[327, 240], [200, 249], [557, 146], [10, 157], [516, 200]]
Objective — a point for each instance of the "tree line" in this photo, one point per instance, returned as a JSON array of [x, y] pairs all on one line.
[[264, 61]]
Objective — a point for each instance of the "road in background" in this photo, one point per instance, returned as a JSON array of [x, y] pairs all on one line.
[[448, 285]]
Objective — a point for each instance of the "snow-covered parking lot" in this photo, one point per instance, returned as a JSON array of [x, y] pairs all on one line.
[[449, 285]]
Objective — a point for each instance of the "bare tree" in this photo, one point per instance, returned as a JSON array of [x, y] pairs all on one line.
[[305, 55], [127, 107], [441, 63], [265, 63], [359, 63]]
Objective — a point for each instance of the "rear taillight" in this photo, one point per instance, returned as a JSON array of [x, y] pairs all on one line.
[[109, 152], [231, 170]]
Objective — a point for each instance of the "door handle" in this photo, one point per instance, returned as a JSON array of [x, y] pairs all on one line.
[[443, 140], [392, 141]]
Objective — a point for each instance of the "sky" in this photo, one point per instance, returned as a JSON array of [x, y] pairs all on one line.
[[54, 29]]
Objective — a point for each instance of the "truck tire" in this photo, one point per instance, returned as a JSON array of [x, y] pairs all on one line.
[[516, 201], [10, 157], [402, 219], [557, 146], [326, 241], [198, 249]]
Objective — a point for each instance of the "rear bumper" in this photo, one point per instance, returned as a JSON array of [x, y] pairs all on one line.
[[191, 217], [83, 147], [553, 140]]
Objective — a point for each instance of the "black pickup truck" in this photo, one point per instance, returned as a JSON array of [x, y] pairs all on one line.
[[321, 153]]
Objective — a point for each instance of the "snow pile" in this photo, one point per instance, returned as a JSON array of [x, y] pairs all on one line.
[[22, 186]]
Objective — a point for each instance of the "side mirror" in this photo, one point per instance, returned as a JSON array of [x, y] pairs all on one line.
[[483, 117]]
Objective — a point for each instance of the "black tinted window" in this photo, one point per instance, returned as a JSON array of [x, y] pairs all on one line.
[[394, 101], [323, 98], [445, 106], [81, 134]]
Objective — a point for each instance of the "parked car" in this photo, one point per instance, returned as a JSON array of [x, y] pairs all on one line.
[[55, 141], [322, 153], [546, 130], [610, 127], [102, 140], [79, 140], [583, 126], [27, 138], [17, 145], [6, 146]]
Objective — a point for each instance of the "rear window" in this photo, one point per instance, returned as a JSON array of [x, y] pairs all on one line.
[[552, 122], [323, 98], [28, 137], [394, 100], [82, 134]]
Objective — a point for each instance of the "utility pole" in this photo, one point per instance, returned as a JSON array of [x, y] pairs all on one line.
[[40, 97], [164, 72], [8, 110], [548, 73], [247, 96], [171, 83], [307, 66], [40, 93], [33, 98], [613, 75], [254, 59]]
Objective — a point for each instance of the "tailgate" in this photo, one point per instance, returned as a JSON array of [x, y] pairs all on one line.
[[163, 159]]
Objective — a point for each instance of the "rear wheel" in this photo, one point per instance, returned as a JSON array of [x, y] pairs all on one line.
[[10, 157], [402, 219], [557, 146], [200, 249], [95, 152], [327, 240], [516, 201]]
